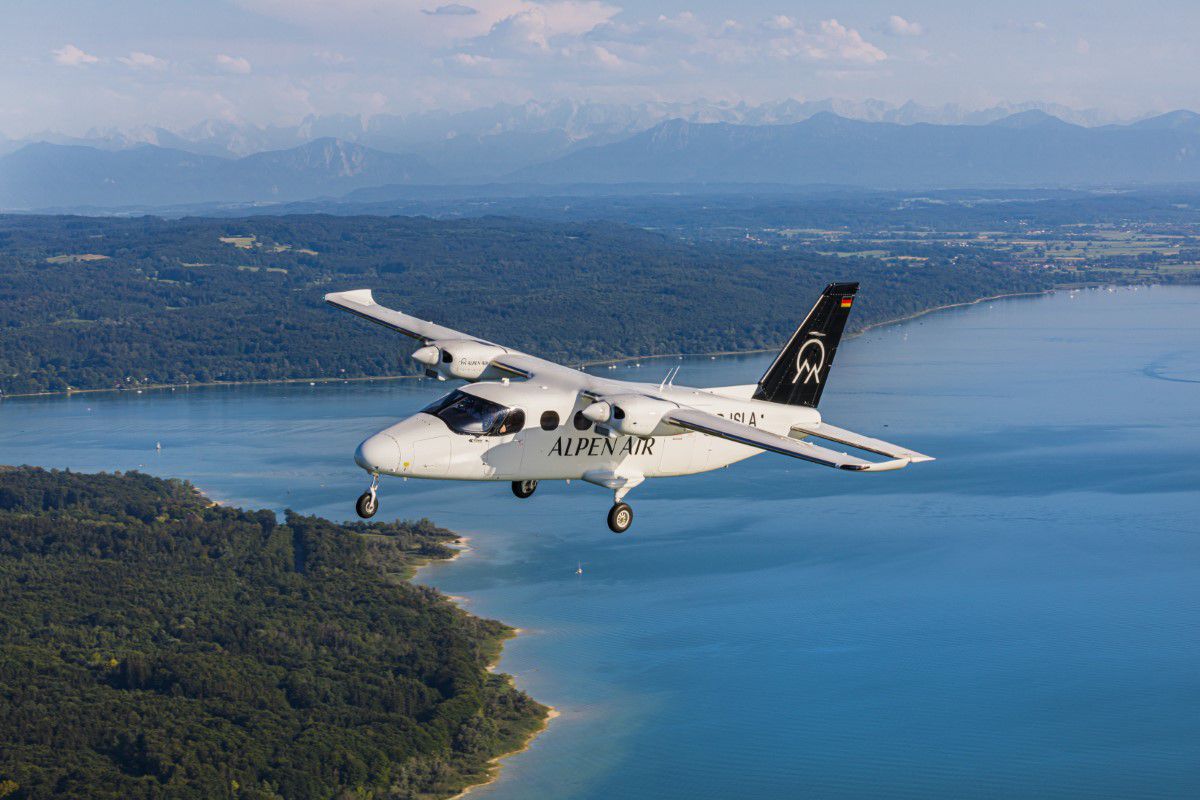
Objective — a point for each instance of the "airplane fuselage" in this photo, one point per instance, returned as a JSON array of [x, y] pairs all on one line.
[[557, 443]]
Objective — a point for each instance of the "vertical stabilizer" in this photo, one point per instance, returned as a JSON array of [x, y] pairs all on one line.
[[797, 376]]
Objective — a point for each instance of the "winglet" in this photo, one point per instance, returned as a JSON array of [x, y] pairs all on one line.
[[360, 297]]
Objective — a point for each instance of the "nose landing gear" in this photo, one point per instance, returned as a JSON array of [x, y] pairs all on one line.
[[523, 489], [368, 503]]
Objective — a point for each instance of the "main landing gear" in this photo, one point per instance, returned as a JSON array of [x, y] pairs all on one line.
[[368, 503], [620, 517]]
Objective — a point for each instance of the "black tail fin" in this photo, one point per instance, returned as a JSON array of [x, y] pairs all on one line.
[[798, 373]]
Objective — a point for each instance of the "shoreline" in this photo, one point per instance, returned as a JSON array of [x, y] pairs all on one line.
[[494, 767], [159, 387]]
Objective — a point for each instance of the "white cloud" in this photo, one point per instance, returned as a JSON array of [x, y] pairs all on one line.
[[451, 10], [471, 64], [71, 56], [234, 64], [685, 38], [585, 36], [543, 28], [837, 42], [606, 57], [140, 60], [519, 34], [899, 26], [331, 58]]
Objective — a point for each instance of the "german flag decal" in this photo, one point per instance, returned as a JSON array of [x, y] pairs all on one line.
[[847, 302]]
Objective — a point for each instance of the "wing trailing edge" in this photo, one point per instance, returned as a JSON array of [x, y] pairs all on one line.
[[830, 433], [712, 425]]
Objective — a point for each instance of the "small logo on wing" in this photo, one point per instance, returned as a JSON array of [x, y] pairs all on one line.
[[809, 361]]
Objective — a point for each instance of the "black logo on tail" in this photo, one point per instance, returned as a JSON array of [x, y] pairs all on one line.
[[797, 376]]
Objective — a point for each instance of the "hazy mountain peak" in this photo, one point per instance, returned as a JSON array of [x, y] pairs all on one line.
[[830, 118], [1181, 119], [1033, 118]]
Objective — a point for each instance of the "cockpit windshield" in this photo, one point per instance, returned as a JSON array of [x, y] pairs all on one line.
[[467, 414]]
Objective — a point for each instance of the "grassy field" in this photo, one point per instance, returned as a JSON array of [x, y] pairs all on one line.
[[77, 258]]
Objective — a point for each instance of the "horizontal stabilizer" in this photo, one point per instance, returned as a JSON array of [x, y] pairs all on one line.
[[830, 433], [712, 425]]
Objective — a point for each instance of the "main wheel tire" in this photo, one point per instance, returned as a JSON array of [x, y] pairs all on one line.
[[367, 505], [620, 517], [523, 489]]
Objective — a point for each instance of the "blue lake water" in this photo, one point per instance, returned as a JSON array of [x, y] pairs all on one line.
[[1019, 618]]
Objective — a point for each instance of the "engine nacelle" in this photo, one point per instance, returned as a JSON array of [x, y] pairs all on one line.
[[457, 358], [633, 415]]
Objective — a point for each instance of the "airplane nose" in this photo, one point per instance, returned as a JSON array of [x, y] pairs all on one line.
[[378, 453]]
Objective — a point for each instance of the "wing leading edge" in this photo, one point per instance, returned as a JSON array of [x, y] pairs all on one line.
[[703, 422], [360, 302]]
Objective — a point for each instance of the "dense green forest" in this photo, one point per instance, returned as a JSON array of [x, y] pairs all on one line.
[[155, 645], [101, 302]]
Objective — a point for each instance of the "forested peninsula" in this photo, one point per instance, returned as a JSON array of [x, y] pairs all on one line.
[[154, 644]]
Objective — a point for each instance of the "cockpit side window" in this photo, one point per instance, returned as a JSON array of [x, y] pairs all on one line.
[[513, 423], [473, 416], [437, 405]]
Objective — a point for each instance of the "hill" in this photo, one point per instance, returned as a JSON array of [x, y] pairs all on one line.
[[153, 645]]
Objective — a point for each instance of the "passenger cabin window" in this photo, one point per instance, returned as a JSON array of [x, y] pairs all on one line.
[[549, 420], [582, 423], [473, 416]]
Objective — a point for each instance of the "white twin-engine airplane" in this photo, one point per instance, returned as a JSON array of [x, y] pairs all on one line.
[[523, 419]]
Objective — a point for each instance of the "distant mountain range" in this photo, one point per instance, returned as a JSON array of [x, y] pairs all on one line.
[[1029, 148], [518, 135], [45, 175]]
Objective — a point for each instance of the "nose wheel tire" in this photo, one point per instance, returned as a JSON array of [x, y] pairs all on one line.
[[620, 517], [367, 505], [523, 489]]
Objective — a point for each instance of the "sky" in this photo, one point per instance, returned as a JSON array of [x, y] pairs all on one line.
[[74, 66]]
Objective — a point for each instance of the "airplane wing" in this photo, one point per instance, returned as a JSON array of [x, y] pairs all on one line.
[[823, 430], [703, 422], [361, 303]]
